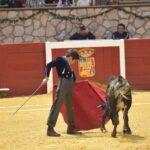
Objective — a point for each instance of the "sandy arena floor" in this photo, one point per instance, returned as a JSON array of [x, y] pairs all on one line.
[[27, 129]]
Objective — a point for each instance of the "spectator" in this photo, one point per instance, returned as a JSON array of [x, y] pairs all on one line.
[[83, 34], [66, 3], [50, 1], [120, 33], [84, 3], [102, 2], [15, 3], [60, 3], [35, 3]]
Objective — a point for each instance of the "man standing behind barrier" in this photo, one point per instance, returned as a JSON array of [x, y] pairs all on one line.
[[83, 34], [64, 91], [120, 33]]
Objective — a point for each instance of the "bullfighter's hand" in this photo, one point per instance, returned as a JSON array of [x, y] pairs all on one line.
[[44, 81]]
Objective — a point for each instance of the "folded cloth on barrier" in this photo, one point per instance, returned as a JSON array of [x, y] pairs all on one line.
[[87, 97]]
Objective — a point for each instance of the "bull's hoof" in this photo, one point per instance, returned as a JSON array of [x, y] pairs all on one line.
[[127, 132], [113, 135], [103, 130]]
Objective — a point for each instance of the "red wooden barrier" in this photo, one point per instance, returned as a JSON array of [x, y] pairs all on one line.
[[22, 67], [137, 54]]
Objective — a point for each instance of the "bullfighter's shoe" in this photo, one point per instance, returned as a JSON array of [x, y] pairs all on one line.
[[52, 132], [72, 130]]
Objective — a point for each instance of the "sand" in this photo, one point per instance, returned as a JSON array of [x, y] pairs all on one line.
[[26, 130]]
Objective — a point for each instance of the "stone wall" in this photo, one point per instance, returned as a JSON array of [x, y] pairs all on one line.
[[32, 25]]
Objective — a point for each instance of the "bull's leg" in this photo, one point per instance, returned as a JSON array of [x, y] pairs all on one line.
[[115, 123], [126, 128], [113, 134], [103, 129]]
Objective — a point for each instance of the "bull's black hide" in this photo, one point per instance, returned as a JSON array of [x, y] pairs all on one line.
[[118, 97]]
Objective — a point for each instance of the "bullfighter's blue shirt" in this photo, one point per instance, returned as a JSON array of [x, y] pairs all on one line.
[[62, 67]]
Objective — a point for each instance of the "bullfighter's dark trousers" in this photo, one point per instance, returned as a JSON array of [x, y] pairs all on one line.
[[64, 93]]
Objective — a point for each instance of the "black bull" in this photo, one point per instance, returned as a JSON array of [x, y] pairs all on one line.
[[118, 97]]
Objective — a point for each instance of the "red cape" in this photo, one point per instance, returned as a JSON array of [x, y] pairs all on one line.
[[87, 96]]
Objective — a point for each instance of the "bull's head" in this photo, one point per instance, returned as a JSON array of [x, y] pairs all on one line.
[[124, 88]]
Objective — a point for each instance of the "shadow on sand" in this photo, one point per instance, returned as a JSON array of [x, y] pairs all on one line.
[[122, 138], [131, 138]]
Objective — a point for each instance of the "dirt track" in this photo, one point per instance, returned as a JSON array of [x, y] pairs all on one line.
[[27, 129]]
